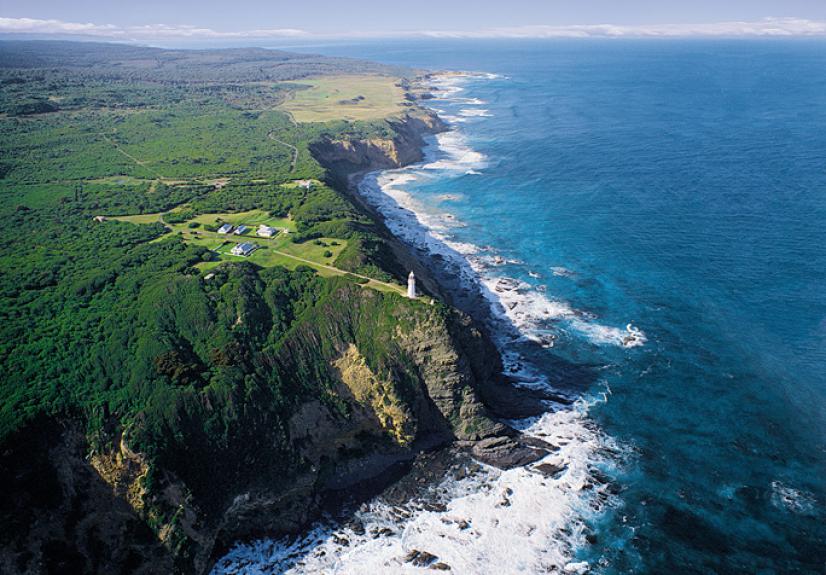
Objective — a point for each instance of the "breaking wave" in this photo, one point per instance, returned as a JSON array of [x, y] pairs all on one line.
[[477, 520]]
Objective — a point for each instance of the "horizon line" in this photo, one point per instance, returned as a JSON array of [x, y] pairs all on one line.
[[766, 27]]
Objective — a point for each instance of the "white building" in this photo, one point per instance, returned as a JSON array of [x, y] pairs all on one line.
[[244, 249], [305, 184], [241, 230], [411, 286], [266, 231], [225, 229]]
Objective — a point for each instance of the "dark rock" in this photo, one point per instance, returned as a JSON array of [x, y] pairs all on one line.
[[343, 541], [440, 566], [549, 469], [599, 476], [540, 443], [356, 527], [466, 471], [420, 558], [506, 452], [384, 531], [510, 401]]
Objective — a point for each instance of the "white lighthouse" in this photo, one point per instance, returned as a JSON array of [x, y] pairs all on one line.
[[411, 286]]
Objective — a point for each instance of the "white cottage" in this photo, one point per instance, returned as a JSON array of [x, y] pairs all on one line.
[[244, 249]]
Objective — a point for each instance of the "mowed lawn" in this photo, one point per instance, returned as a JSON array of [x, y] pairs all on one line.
[[252, 219], [276, 252], [320, 254], [279, 250], [345, 97]]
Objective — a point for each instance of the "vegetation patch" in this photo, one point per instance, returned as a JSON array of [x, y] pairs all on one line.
[[348, 97]]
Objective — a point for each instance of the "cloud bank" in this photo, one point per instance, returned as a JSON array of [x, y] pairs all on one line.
[[148, 32], [764, 27], [767, 27]]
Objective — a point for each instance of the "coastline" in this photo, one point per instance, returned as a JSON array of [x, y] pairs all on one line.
[[554, 494]]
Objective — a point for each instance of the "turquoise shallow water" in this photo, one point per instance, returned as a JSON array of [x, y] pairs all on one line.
[[681, 186]]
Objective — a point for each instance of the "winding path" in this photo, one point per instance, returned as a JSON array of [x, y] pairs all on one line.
[[290, 146], [130, 156], [370, 280]]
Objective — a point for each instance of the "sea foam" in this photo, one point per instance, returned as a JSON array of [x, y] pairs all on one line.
[[489, 522]]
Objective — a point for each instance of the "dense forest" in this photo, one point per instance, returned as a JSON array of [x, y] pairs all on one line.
[[169, 389], [131, 63]]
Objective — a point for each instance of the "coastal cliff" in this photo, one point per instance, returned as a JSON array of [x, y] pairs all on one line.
[[345, 160], [344, 156], [263, 391], [359, 382]]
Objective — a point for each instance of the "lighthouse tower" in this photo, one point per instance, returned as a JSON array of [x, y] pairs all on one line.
[[411, 286]]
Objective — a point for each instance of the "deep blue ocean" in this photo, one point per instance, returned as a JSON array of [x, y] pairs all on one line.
[[681, 186]]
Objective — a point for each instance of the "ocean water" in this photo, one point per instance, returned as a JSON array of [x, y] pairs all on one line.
[[648, 222]]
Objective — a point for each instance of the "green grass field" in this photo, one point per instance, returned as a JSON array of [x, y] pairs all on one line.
[[140, 218], [277, 251], [251, 218], [345, 97], [319, 254]]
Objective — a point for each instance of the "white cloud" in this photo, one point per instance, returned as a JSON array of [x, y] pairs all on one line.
[[147, 32], [764, 27]]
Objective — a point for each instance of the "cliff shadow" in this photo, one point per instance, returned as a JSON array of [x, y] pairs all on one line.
[[63, 517]]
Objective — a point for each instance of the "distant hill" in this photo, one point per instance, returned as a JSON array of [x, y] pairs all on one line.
[[130, 62]]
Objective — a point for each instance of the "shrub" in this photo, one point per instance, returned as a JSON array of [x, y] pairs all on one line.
[[31, 107]]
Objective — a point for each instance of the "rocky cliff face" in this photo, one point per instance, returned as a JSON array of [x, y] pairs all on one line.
[[370, 379], [386, 399], [343, 157], [58, 514]]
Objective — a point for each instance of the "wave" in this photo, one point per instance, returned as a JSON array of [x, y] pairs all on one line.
[[475, 113], [471, 101], [477, 520], [454, 154], [791, 499]]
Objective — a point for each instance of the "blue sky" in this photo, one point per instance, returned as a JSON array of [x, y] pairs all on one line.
[[238, 19]]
